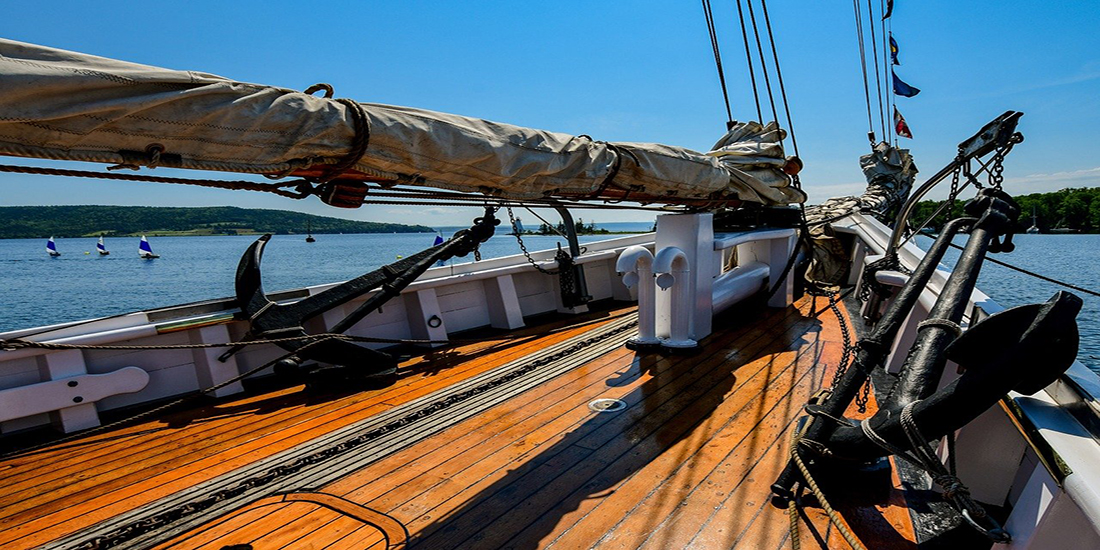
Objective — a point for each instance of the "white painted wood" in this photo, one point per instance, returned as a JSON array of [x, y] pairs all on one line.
[[71, 394], [421, 306], [1064, 526], [907, 336], [636, 265], [723, 241], [69, 417], [1030, 509], [503, 302], [774, 251], [208, 369], [989, 451], [673, 276], [859, 252], [739, 283], [694, 235]]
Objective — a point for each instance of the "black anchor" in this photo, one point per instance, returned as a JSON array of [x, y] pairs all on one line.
[[342, 360]]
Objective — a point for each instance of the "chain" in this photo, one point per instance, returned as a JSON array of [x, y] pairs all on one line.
[[142, 526], [523, 247], [846, 357], [864, 396], [996, 172]]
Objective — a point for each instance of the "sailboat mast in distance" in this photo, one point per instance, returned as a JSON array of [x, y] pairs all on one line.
[[101, 248], [51, 248], [309, 232]]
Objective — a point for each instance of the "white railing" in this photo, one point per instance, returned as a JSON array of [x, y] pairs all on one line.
[[498, 292]]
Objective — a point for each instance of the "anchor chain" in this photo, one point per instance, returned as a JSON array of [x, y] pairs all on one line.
[[523, 247]]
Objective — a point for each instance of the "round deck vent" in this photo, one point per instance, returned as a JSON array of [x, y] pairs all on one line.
[[607, 405]]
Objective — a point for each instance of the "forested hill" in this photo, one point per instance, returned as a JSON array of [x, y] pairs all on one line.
[[26, 222], [1069, 210]]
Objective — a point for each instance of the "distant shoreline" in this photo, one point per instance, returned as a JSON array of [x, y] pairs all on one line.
[[40, 222]]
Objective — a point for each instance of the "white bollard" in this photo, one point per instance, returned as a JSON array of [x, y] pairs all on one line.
[[671, 266], [636, 265]]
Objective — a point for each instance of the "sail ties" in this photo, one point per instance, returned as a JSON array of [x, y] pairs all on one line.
[[358, 144], [361, 124]]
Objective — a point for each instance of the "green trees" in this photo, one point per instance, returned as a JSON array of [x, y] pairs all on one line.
[[1073, 209], [25, 222]]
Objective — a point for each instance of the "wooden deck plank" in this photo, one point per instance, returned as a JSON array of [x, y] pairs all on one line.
[[294, 533], [49, 511], [504, 426], [687, 463], [287, 405], [740, 412], [600, 447], [581, 413], [716, 465]]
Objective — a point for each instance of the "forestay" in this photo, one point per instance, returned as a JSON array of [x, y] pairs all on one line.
[[65, 105]]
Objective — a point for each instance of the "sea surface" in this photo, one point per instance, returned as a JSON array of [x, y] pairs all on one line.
[[38, 290], [1074, 259]]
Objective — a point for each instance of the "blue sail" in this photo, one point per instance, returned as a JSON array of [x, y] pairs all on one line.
[[144, 250], [439, 241], [51, 248]]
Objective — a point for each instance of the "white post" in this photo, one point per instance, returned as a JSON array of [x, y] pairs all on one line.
[[65, 364], [693, 234], [209, 371], [425, 317], [636, 265], [673, 272]]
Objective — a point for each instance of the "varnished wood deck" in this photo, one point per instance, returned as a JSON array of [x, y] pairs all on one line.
[[687, 463]]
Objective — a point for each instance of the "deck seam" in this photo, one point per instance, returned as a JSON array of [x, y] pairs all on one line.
[[321, 473]]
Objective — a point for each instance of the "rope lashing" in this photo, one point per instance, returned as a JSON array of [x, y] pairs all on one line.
[[301, 187], [922, 457], [358, 144], [811, 484], [946, 324]]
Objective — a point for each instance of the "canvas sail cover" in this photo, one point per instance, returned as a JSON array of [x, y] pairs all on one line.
[[890, 173], [65, 105]]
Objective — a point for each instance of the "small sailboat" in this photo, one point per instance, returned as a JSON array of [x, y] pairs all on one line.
[[101, 248], [439, 241], [309, 233], [51, 248], [144, 250], [1034, 229]]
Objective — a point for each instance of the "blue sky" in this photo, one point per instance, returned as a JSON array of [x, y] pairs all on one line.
[[624, 71]]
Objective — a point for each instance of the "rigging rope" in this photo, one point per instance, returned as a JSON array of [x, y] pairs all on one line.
[[763, 64], [748, 58], [878, 74], [888, 95], [863, 67], [709, 15], [779, 76], [1036, 275], [277, 188]]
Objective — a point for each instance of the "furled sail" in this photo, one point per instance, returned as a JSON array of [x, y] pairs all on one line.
[[890, 173], [64, 105]]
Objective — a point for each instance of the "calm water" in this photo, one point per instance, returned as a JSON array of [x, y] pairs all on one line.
[[39, 290], [1071, 258]]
